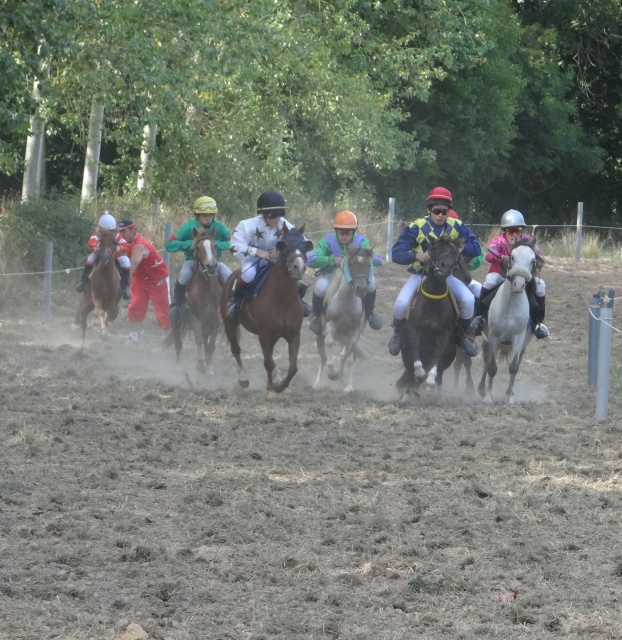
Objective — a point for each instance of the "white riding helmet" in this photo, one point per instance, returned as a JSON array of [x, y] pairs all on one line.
[[107, 222], [512, 218]]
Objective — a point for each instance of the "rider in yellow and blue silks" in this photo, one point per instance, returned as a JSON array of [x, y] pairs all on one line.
[[411, 248]]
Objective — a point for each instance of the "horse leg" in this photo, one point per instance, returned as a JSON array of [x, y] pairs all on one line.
[[232, 329], [468, 366], [320, 343], [209, 344], [333, 371], [267, 348], [517, 355], [481, 388], [347, 359], [199, 339], [293, 345]]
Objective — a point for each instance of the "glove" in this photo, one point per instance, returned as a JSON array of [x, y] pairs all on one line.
[[273, 255]]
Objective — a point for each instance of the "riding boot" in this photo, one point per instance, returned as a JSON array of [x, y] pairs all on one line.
[[302, 289], [539, 329], [481, 311], [463, 339], [179, 298], [84, 278], [396, 344], [126, 294], [369, 302], [236, 294], [315, 324]]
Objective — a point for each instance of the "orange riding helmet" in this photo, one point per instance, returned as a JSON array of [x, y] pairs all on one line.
[[345, 220]]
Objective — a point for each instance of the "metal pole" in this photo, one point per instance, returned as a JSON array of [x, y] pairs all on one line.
[[47, 281], [592, 351], [390, 230], [168, 232], [579, 229], [604, 356]]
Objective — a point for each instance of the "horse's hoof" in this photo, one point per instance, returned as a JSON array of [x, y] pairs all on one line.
[[404, 400], [349, 389], [243, 382], [333, 375], [201, 367]]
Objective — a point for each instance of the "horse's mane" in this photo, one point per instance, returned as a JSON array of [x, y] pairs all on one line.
[[201, 235], [445, 242], [531, 243]]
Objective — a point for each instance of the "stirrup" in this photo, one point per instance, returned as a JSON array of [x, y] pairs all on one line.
[[126, 294], [316, 325], [80, 286], [469, 347], [306, 309], [232, 310], [541, 331], [375, 322]]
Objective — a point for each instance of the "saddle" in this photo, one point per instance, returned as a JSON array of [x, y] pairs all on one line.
[[449, 293], [250, 291]]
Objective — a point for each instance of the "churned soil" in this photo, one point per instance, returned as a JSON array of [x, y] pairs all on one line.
[[139, 498]]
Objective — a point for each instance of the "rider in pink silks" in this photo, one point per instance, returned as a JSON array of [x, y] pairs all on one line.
[[498, 255]]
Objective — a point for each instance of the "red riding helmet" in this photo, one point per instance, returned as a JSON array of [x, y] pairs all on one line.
[[439, 195]]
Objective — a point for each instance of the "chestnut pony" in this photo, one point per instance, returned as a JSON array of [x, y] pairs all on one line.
[[275, 312], [103, 291]]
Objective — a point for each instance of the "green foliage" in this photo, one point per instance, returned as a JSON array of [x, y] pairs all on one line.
[[27, 227]]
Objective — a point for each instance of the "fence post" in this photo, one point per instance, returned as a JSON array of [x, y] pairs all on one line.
[[47, 282], [390, 230], [579, 229], [604, 356], [592, 350]]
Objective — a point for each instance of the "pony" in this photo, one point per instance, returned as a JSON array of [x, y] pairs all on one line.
[[507, 328], [275, 312], [202, 302], [463, 360], [103, 292], [344, 314], [430, 345]]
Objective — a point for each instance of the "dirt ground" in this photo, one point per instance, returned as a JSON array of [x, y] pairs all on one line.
[[139, 499]]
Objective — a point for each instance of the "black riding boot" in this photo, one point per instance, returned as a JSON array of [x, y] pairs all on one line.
[[396, 344], [302, 289], [235, 298], [481, 311], [315, 324], [463, 339], [126, 294], [84, 278], [369, 302], [177, 306], [538, 327]]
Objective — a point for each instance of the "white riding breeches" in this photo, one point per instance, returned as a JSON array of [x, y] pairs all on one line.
[[464, 298], [186, 271], [475, 287], [493, 280], [249, 268], [123, 260], [323, 281]]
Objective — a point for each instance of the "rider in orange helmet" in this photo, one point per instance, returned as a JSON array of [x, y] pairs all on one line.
[[329, 255]]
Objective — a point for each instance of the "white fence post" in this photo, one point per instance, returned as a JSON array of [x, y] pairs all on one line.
[[593, 328], [390, 230], [604, 357], [579, 229], [47, 282]]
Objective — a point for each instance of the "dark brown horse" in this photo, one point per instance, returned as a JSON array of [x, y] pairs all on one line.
[[202, 298], [275, 312], [463, 274], [430, 344], [104, 289]]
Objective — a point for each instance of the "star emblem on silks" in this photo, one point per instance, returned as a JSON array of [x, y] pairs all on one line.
[[259, 233], [246, 253]]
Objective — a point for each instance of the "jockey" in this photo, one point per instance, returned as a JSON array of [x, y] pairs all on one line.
[[107, 224], [411, 249], [498, 255], [329, 254], [205, 210], [253, 239]]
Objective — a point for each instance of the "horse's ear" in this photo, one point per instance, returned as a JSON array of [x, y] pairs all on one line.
[[195, 232], [307, 245], [280, 245], [302, 229]]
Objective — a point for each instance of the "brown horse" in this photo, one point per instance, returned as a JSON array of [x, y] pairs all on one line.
[[275, 312], [344, 315], [104, 290], [203, 294], [430, 345]]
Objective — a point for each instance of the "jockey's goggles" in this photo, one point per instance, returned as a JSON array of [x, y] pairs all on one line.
[[514, 230], [273, 214], [439, 212]]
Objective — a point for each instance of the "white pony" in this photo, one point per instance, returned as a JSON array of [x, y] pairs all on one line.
[[508, 319], [344, 316]]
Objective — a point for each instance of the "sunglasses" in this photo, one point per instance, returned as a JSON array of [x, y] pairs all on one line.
[[273, 215], [514, 230], [440, 212]]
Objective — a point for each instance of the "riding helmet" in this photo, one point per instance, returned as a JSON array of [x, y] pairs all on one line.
[[439, 195], [107, 222], [270, 201], [512, 218], [345, 220], [205, 206]]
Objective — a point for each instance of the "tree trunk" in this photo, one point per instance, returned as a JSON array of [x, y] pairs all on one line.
[[149, 142], [34, 160], [91, 163]]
